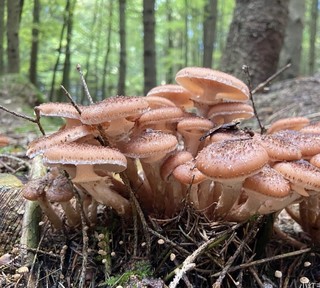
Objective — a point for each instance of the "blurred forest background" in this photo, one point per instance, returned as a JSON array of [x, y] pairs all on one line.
[[127, 47]]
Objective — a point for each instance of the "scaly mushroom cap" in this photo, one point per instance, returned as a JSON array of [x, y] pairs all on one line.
[[308, 143], [301, 173], [74, 133], [65, 110], [150, 145], [279, 148], [85, 154], [227, 112], [175, 93], [60, 190], [156, 102], [268, 182], [231, 159], [113, 108], [315, 160], [209, 85], [290, 123]]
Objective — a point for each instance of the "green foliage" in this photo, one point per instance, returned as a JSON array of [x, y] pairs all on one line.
[[140, 270]]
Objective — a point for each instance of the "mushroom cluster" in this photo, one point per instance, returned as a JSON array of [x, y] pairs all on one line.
[[181, 144]]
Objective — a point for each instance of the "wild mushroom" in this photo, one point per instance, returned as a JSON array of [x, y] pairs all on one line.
[[175, 93], [34, 190], [61, 191], [156, 102], [85, 157], [227, 112], [71, 134], [290, 123], [191, 129], [267, 191], [210, 87], [228, 163]]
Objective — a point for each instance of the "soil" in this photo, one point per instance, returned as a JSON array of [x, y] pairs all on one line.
[[297, 97]]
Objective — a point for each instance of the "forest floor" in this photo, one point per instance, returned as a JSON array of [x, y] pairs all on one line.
[[118, 255]]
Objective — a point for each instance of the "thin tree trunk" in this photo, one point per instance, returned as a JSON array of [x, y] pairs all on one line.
[[186, 33], [313, 33], [13, 21], [209, 31], [35, 43], [291, 50], [108, 49], [2, 31], [150, 72], [67, 59], [123, 48], [169, 73], [56, 65]]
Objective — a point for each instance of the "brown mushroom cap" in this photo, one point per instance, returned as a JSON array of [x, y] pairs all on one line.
[[206, 84], [231, 159], [65, 110], [315, 160], [113, 108], [188, 174], [301, 173], [156, 102], [290, 123], [39, 145], [172, 162], [175, 93], [150, 145], [227, 112], [279, 148]]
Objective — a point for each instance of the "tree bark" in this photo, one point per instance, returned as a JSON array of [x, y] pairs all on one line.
[[292, 47], [149, 56], [123, 48], [13, 15], [209, 31], [108, 49], [67, 59], [35, 43], [313, 33], [255, 38], [2, 31]]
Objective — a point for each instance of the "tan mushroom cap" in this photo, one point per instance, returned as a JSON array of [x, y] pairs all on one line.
[[65, 110], [227, 112], [301, 174], [188, 174], [156, 118], [150, 145], [172, 162], [315, 160], [279, 148], [156, 102], [175, 93], [268, 182], [206, 84], [113, 108], [313, 129], [85, 156], [74, 133], [290, 123], [308, 143], [231, 159]]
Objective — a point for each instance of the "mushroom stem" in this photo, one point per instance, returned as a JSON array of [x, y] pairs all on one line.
[[48, 210], [101, 192], [85, 171], [72, 215]]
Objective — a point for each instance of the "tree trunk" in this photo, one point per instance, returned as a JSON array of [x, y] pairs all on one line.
[[149, 55], [255, 38], [35, 43], [313, 33], [67, 59], [108, 49], [292, 47], [170, 35], [2, 31], [123, 48], [14, 13], [186, 33], [209, 31]]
